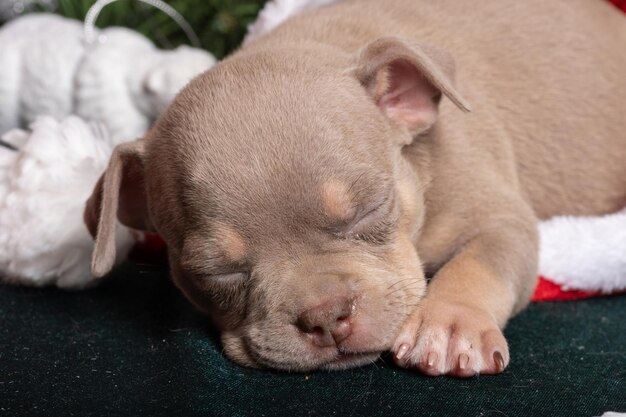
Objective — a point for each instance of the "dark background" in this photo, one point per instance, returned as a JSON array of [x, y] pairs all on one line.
[[135, 346]]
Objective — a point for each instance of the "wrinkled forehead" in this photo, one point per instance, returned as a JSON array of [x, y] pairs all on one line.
[[300, 186]]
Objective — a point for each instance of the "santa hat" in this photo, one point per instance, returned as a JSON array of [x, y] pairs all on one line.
[[582, 257]]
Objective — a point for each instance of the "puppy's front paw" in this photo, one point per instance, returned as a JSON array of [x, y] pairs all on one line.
[[442, 338]]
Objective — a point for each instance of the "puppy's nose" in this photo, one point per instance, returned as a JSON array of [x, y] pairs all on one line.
[[328, 323]]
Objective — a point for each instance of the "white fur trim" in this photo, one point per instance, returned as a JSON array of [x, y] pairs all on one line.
[[585, 253]]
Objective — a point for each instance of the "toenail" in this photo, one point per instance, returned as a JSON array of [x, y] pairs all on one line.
[[463, 361], [402, 351], [431, 359], [499, 360]]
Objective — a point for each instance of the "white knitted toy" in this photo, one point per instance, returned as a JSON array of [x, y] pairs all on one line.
[[122, 81]]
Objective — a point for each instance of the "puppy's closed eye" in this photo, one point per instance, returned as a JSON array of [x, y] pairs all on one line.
[[378, 233], [224, 286], [227, 288], [373, 224]]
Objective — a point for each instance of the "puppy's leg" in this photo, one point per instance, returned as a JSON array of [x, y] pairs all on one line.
[[456, 329]]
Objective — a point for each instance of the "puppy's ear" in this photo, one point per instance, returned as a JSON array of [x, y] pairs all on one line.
[[407, 80], [119, 194]]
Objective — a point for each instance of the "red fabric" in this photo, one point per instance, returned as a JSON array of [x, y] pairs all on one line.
[[549, 291], [621, 4]]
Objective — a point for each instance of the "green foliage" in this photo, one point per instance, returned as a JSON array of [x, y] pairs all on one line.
[[220, 24]]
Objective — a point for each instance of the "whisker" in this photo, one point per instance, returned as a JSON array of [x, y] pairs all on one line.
[[405, 305], [411, 285], [399, 281]]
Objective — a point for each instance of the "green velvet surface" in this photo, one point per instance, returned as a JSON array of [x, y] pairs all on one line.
[[134, 346]]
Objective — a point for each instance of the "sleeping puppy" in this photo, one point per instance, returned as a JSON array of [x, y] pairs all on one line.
[[309, 184]]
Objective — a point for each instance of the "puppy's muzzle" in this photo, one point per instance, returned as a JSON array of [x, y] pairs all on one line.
[[329, 323]]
